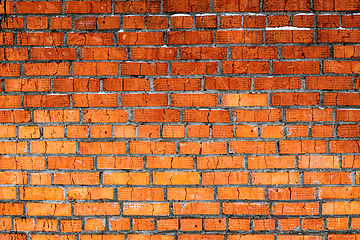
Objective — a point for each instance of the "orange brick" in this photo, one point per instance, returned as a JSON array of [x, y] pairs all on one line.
[[143, 224], [96, 209], [70, 225], [126, 178], [175, 178], [246, 131], [120, 162], [196, 208], [169, 162], [190, 194], [119, 224], [146, 209], [272, 131], [46, 225], [167, 224], [24, 225], [192, 224], [90, 193], [94, 225], [141, 194], [40, 178]]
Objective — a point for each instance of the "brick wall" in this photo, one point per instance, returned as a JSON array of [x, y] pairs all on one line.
[[180, 120]]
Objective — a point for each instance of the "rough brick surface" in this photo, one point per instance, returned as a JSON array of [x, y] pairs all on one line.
[[179, 120]]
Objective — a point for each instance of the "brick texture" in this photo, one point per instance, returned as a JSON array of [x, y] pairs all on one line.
[[179, 120]]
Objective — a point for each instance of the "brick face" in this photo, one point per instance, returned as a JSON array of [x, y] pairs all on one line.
[[179, 119]]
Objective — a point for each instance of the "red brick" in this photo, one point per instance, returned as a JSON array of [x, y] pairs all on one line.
[[278, 21], [53, 54], [61, 22], [206, 21], [140, 38], [95, 68], [133, 68], [153, 53], [277, 83], [89, 53], [303, 67], [189, 68], [226, 83], [305, 52], [283, 5], [206, 116], [289, 36], [126, 84], [203, 53], [342, 67], [194, 100], [244, 99], [254, 53], [12, 22], [9, 70], [136, 22], [157, 22], [137, 7], [235, 6], [188, 6], [190, 37], [232, 21], [88, 7], [327, 5], [91, 39], [37, 22], [329, 83], [40, 39], [43, 69], [181, 21], [39, 7], [245, 67], [177, 84], [328, 21], [303, 20], [231, 37], [350, 21], [109, 22], [254, 21], [338, 36]]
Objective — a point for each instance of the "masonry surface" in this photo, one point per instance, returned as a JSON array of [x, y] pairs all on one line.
[[180, 120]]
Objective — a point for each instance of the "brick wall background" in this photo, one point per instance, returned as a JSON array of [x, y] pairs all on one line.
[[180, 120]]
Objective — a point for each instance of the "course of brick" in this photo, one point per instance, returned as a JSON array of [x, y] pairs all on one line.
[[180, 120]]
